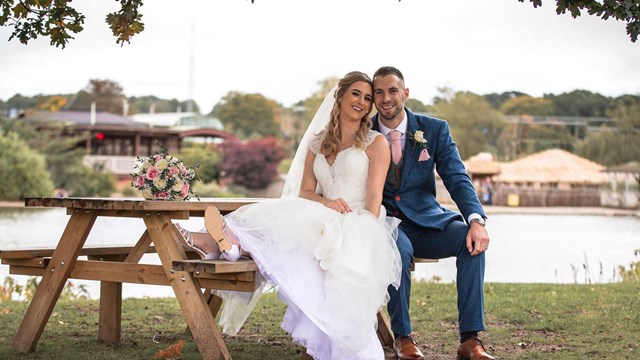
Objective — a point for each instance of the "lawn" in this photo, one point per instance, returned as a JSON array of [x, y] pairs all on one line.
[[524, 321]]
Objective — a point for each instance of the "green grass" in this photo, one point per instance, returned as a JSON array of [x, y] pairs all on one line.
[[524, 321]]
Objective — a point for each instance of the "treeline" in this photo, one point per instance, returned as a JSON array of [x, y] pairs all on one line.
[[600, 128], [606, 129], [108, 96]]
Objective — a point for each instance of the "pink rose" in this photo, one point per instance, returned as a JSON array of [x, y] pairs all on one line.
[[161, 195], [138, 181], [157, 157], [152, 172], [185, 190], [173, 171]]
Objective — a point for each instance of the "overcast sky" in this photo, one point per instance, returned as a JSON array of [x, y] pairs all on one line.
[[282, 48]]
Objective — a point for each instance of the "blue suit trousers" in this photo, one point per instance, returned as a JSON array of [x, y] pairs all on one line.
[[414, 240]]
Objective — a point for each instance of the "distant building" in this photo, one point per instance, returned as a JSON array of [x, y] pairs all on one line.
[[114, 141], [549, 178]]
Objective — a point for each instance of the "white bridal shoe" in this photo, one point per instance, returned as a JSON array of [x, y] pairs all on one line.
[[215, 225], [186, 238]]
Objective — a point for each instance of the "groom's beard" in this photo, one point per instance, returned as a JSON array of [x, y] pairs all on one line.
[[392, 115]]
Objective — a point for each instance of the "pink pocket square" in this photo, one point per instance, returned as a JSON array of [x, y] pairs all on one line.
[[424, 155]]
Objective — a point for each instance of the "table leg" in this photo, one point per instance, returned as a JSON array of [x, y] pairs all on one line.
[[110, 320], [109, 323], [187, 289], [54, 279]]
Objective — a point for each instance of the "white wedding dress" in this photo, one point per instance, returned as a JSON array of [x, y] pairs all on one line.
[[331, 269]]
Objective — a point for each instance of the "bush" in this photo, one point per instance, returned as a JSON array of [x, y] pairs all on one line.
[[22, 170], [253, 164], [284, 166], [213, 190], [81, 180], [205, 158]]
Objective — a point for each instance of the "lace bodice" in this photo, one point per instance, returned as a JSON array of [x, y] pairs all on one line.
[[347, 177]]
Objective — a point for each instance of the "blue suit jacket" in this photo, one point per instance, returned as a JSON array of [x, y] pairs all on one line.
[[416, 195]]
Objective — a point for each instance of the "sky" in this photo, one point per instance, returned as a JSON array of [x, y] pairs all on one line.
[[283, 48]]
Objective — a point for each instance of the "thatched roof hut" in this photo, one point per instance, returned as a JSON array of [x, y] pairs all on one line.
[[482, 164], [553, 167]]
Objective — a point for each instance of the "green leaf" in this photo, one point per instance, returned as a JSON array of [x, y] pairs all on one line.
[[20, 11]]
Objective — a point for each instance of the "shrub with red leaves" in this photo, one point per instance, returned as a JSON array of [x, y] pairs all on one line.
[[252, 164]]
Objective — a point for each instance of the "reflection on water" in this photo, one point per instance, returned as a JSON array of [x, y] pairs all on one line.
[[524, 248]]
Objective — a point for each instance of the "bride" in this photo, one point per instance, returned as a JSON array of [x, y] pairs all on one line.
[[326, 245]]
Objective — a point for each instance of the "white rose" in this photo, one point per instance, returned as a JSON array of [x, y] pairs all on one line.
[[177, 186], [159, 183], [162, 164], [419, 136]]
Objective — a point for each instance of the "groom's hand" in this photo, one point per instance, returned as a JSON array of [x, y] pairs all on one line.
[[338, 205], [477, 239]]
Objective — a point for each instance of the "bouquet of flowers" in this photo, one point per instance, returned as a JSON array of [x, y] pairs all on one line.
[[163, 177]]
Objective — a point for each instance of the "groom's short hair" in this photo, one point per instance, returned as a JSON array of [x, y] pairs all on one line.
[[388, 70]]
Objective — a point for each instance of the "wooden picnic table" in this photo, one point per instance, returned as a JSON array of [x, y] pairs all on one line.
[[115, 265]]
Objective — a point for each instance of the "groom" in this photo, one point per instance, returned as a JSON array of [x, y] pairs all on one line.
[[418, 145]]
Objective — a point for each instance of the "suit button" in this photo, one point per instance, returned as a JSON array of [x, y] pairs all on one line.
[[396, 212], [397, 198]]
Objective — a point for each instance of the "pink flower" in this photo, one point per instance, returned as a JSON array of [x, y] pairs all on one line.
[[157, 157], [173, 171], [424, 155], [152, 172], [161, 195], [185, 190], [138, 181]]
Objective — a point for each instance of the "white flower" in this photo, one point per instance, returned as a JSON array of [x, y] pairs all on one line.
[[418, 136], [177, 186], [160, 183], [162, 164]]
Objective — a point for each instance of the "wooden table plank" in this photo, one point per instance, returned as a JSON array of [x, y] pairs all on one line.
[[215, 266], [40, 252], [46, 295], [223, 204]]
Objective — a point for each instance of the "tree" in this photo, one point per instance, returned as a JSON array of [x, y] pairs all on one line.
[[23, 170], [147, 104], [620, 145], [253, 164], [496, 100], [248, 115], [20, 102], [416, 106], [625, 10], [204, 157], [57, 20], [63, 158], [579, 103], [475, 126], [527, 105]]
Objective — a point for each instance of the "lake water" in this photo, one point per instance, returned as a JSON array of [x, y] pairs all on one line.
[[524, 248]]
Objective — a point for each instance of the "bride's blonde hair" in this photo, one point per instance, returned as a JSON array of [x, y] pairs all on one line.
[[331, 143]]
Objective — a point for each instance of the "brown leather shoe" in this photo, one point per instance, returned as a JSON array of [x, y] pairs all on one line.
[[407, 349], [473, 349]]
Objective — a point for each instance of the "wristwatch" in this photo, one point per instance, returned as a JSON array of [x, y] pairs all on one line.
[[479, 220]]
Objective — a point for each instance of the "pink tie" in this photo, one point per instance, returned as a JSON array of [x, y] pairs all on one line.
[[396, 146]]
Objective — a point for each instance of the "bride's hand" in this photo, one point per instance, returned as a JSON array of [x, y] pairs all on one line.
[[338, 205]]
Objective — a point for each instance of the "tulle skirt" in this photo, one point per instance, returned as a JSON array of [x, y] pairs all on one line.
[[331, 269]]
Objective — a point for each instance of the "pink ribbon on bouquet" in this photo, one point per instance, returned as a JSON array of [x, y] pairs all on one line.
[[424, 155]]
